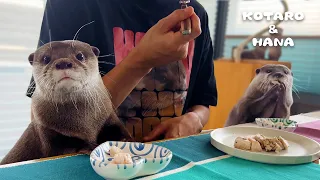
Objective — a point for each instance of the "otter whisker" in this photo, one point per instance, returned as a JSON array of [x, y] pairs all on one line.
[[41, 80], [300, 87], [134, 102], [42, 42], [33, 82], [101, 99], [104, 75], [264, 85], [294, 86], [152, 106], [296, 79], [103, 62], [79, 31], [107, 55], [50, 38], [295, 90], [106, 92], [87, 102], [93, 100], [296, 93]]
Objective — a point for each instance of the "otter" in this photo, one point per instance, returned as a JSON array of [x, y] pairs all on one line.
[[269, 95], [72, 109]]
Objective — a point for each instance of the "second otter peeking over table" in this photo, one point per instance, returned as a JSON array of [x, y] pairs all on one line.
[[269, 95]]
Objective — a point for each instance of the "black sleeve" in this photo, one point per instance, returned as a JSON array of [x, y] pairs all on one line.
[[205, 91], [61, 20]]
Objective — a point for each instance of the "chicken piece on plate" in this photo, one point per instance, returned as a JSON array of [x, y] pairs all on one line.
[[255, 145], [242, 143]]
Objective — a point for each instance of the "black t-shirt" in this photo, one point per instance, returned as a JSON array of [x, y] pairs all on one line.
[[118, 26]]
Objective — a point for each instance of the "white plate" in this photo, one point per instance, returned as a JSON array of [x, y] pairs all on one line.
[[147, 159], [301, 150]]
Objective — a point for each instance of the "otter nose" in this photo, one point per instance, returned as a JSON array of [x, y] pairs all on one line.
[[63, 65], [278, 75]]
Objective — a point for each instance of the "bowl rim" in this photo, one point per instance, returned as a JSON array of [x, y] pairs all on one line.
[[294, 124], [140, 161]]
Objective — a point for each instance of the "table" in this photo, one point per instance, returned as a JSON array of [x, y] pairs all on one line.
[[194, 158]]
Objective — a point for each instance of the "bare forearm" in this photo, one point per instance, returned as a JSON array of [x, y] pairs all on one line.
[[201, 113], [161, 45], [123, 78]]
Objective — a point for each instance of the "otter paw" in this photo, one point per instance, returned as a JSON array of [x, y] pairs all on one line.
[[274, 89], [282, 87]]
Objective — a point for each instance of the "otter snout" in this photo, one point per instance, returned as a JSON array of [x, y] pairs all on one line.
[[278, 75], [64, 65]]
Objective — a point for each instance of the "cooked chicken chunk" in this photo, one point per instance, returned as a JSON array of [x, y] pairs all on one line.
[[242, 143], [255, 145], [258, 143]]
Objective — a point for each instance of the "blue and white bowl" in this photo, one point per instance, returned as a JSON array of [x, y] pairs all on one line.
[[277, 123], [147, 159]]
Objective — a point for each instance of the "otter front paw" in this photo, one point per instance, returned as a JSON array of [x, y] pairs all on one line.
[[281, 92], [273, 93]]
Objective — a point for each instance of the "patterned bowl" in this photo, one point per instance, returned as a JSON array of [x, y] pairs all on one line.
[[277, 123], [147, 159]]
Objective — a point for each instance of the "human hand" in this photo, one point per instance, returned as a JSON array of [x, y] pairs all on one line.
[[164, 43], [185, 125]]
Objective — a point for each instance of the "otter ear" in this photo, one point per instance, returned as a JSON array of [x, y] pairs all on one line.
[[257, 71], [95, 50], [30, 58]]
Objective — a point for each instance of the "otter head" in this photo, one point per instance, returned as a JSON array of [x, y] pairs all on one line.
[[64, 67], [272, 74]]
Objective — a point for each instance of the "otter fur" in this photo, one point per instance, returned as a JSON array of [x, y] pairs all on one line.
[[72, 109], [269, 95]]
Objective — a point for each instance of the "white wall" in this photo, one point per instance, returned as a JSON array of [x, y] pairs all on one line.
[[211, 8], [308, 27], [20, 22]]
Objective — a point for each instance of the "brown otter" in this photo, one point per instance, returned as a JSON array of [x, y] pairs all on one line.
[[269, 95], [72, 109]]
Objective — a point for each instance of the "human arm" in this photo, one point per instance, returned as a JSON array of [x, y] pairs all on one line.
[[201, 113], [187, 124], [160, 45], [202, 93]]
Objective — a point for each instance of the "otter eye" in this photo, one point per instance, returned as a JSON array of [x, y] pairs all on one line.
[[80, 56], [46, 59], [269, 71], [286, 72]]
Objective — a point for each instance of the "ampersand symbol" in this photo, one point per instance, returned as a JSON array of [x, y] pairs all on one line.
[[272, 29]]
